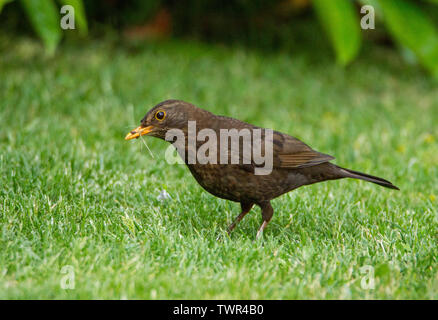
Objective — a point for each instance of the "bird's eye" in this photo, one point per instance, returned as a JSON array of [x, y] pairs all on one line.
[[160, 115]]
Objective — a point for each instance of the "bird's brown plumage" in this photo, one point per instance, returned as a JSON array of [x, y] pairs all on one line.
[[294, 163]]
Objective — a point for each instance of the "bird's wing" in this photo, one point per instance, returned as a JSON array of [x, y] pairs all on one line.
[[290, 152]]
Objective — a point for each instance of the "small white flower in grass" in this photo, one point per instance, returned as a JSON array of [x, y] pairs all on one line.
[[163, 195]]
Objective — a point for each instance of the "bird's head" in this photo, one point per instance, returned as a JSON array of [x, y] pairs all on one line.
[[169, 114]]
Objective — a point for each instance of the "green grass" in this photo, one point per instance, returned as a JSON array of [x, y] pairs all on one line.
[[74, 193]]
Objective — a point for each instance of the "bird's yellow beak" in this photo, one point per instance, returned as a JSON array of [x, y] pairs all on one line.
[[137, 132]]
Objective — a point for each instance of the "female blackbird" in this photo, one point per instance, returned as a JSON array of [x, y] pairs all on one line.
[[293, 164]]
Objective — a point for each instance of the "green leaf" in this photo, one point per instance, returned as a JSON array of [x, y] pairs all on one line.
[[413, 29], [3, 2], [342, 25], [80, 17], [45, 19]]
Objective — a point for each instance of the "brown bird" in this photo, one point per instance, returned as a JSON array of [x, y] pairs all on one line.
[[293, 163]]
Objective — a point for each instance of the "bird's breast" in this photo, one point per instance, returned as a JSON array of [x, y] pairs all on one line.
[[234, 182]]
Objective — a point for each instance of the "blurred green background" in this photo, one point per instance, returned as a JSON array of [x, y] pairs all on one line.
[[410, 26], [75, 196]]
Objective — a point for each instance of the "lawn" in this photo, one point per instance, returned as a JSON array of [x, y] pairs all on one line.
[[76, 200]]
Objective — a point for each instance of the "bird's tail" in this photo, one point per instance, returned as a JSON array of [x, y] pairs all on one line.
[[367, 177]]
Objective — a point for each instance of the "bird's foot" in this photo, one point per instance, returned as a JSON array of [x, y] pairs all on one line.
[[262, 227]]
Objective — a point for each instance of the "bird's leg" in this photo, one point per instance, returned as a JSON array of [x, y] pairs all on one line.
[[246, 207], [267, 213]]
